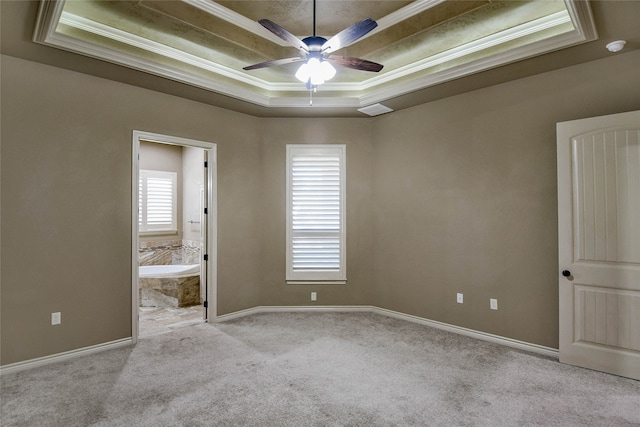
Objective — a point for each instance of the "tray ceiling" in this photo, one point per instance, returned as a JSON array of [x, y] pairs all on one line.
[[205, 43]]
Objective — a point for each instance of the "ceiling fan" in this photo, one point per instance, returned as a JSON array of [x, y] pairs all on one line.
[[315, 51]]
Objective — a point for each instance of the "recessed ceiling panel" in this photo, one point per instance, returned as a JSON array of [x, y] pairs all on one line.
[[207, 44], [332, 16]]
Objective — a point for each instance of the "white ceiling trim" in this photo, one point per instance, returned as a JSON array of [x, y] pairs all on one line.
[[217, 10], [148, 45], [316, 102], [45, 34], [543, 46], [77, 46], [51, 13], [402, 14], [493, 40], [585, 30], [582, 19]]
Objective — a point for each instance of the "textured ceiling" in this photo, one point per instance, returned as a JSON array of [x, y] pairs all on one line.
[[423, 44]]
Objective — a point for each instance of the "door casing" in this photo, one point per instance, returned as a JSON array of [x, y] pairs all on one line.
[[211, 223]]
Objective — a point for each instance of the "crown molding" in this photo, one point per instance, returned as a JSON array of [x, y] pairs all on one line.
[[240, 85], [479, 45], [582, 19], [99, 29]]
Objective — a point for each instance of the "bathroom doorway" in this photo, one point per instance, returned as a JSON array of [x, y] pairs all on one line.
[[173, 233]]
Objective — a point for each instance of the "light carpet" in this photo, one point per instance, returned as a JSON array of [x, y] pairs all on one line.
[[316, 369]]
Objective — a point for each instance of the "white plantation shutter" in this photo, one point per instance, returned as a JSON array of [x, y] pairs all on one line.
[[157, 201], [315, 213]]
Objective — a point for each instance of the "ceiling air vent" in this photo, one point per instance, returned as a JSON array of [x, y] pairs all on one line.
[[375, 109]]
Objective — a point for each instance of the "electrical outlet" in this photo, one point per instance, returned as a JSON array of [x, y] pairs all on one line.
[[56, 318], [459, 298], [314, 296], [493, 304]]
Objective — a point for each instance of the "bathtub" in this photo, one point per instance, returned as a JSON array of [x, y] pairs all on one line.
[[168, 270], [169, 285]]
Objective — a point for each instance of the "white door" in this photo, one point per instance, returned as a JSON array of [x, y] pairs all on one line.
[[599, 243]]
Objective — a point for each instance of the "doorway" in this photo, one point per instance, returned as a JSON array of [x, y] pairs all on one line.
[[173, 233]]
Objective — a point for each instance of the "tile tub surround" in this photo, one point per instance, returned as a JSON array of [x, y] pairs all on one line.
[[169, 291], [166, 252]]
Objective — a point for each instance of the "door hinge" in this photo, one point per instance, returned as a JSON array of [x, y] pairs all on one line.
[[206, 211], [206, 304], [206, 164], [206, 257]]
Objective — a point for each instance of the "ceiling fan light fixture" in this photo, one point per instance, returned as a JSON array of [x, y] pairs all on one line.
[[303, 74], [327, 70], [315, 71], [315, 51]]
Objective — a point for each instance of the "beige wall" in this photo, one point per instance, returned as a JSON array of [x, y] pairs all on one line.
[[193, 174], [465, 198], [167, 158], [66, 203], [357, 135], [452, 196], [160, 157]]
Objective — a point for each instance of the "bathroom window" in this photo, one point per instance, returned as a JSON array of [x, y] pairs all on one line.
[[316, 214], [157, 202]]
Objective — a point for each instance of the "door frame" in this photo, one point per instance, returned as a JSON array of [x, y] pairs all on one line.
[[211, 225]]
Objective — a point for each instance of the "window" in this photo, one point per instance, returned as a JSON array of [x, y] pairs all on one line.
[[157, 201], [316, 214]]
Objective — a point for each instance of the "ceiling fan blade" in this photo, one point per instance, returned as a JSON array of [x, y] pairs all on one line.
[[349, 35], [355, 63], [272, 63], [284, 34]]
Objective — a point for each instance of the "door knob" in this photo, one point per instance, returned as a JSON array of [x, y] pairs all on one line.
[[566, 273]]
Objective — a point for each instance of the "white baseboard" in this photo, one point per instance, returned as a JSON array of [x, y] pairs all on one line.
[[509, 342], [292, 309], [521, 345], [59, 357]]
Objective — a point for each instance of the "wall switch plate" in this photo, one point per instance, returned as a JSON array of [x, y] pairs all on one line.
[[459, 298], [314, 296], [56, 318], [493, 304]]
